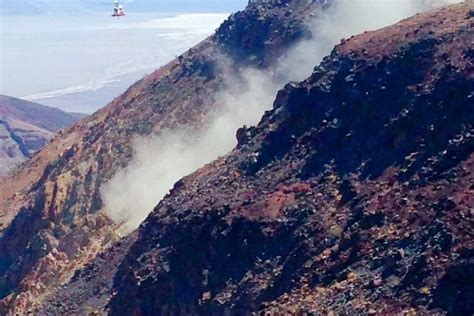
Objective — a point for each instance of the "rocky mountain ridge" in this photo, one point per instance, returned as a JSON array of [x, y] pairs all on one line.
[[52, 220], [353, 196], [26, 127]]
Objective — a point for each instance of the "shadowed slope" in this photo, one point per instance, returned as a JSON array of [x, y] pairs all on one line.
[[52, 218], [353, 196]]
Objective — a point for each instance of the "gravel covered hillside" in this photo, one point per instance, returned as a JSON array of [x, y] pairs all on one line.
[[52, 218], [354, 196]]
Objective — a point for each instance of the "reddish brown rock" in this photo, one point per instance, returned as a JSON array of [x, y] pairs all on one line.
[[354, 196], [56, 194]]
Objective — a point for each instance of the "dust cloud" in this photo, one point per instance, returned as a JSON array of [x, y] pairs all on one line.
[[159, 161]]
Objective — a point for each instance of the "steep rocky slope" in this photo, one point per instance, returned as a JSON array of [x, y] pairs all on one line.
[[353, 196], [26, 127], [52, 219]]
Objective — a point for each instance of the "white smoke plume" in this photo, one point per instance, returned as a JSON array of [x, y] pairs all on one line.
[[343, 19], [160, 161]]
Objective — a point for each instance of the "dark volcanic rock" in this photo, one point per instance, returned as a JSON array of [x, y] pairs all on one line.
[[52, 219], [90, 289], [260, 33], [353, 196]]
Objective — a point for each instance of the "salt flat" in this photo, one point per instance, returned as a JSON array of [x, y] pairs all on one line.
[[80, 63]]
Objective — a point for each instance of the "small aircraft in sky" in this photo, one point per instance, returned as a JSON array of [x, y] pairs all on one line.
[[118, 9]]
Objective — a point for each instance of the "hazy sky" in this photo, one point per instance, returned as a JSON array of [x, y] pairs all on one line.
[[80, 60], [30, 7]]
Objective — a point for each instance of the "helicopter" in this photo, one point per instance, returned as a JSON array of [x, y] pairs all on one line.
[[118, 9]]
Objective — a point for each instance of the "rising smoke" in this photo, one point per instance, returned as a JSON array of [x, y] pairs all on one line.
[[160, 161]]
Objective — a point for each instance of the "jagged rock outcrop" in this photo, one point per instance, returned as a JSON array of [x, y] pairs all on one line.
[[26, 127], [261, 33], [52, 220], [354, 196]]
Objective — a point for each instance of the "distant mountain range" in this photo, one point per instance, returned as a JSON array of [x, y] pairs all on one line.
[[30, 7], [26, 127]]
